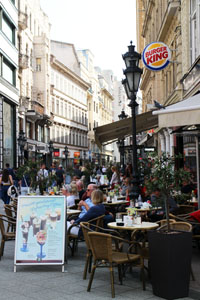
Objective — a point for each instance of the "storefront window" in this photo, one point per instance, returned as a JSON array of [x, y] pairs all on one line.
[[8, 132]]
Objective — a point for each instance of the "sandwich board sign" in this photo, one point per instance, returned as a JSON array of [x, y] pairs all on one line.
[[40, 231]]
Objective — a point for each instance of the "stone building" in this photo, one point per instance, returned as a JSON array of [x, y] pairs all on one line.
[[34, 78], [9, 99], [99, 104], [177, 24], [68, 105]]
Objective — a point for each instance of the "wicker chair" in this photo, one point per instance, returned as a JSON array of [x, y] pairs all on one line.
[[164, 221], [11, 214], [106, 257], [5, 236], [73, 239], [87, 227], [195, 224]]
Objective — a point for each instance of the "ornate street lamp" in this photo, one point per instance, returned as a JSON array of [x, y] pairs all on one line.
[[51, 148], [84, 156], [122, 116], [66, 156], [131, 85], [21, 142]]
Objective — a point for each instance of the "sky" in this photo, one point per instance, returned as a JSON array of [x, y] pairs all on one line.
[[104, 27]]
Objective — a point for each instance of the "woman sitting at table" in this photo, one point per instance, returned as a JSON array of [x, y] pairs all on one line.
[[71, 193], [95, 211]]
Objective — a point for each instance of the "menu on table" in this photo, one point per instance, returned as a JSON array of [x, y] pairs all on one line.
[[40, 232]]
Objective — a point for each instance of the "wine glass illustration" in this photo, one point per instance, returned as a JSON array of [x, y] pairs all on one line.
[[41, 237], [25, 230]]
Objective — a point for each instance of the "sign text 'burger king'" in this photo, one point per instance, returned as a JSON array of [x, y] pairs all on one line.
[[156, 56]]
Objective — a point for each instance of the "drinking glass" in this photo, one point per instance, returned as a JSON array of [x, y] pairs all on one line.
[[25, 229], [41, 239], [118, 218]]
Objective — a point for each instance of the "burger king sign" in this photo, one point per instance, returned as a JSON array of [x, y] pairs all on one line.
[[156, 56]]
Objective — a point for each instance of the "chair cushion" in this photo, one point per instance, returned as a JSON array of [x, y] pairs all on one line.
[[196, 215]]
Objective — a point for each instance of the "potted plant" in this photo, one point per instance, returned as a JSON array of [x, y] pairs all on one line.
[[30, 169], [170, 251]]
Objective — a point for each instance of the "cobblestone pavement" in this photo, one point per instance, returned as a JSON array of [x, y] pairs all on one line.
[[48, 282]]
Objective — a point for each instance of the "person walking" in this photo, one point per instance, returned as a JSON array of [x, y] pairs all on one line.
[[6, 181]]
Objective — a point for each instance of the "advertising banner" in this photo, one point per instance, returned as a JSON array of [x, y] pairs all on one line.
[[40, 232]]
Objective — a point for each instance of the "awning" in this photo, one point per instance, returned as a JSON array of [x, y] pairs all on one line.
[[185, 112], [123, 128]]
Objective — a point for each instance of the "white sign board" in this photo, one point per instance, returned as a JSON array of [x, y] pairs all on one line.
[[40, 232]]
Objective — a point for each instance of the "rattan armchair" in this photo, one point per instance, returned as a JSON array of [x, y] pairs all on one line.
[[5, 236], [87, 227], [11, 214], [73, 239], [106, 257]]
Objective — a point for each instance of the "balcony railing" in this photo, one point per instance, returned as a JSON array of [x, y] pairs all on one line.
[[37, 107], [23, 20], [23, 61]]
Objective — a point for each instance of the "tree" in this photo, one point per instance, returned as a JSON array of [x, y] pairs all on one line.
[[159, 172]]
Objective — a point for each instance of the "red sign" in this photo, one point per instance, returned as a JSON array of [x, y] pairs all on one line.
[[56, 152], [77, 154]]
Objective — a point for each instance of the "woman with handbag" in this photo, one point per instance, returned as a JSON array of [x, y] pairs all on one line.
[[6, 181]]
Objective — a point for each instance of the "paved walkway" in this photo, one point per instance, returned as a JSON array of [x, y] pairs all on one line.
[[48, 282]]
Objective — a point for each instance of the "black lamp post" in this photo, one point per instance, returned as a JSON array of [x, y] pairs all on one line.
[[51, 151], [66, 156], [84, 156], [131, 85], [21, 141], [122, 116]]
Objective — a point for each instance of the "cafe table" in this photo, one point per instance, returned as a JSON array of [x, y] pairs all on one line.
[[116, 202], [73, 212], [142, 226]]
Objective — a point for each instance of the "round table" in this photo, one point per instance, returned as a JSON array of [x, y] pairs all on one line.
[[73, 212], [142, 226], [117, 202]]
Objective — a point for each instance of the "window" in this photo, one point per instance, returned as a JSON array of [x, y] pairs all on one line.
[[65, 110], [28, 130], [194, 29], [40, 133], [52, 105], [77, 139], [61, 109], [58, 135], [8, 71], [57, 107], [38, 64], [8, 28], [62, 136]]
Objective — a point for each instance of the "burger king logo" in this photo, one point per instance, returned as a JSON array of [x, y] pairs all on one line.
[[156, 56]]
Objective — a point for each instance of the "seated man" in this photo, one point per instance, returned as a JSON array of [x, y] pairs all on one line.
[[96, 210], [81, 191], [85, 205], [157, 201]]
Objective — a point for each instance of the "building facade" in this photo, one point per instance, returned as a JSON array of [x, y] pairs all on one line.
[[68, 105], [177, 24], [34, 119], [9, 99]]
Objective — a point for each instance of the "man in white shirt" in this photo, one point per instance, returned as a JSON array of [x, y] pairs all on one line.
[[43, 173]]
